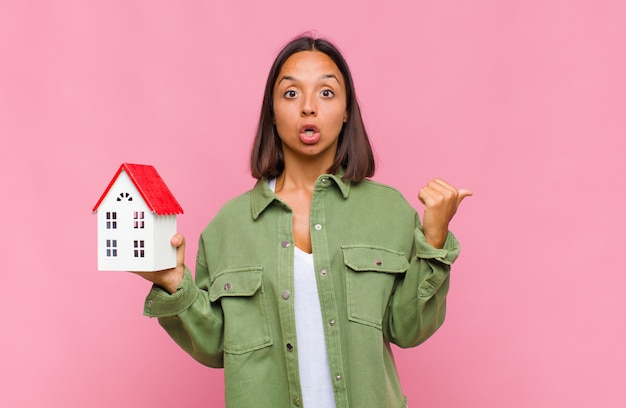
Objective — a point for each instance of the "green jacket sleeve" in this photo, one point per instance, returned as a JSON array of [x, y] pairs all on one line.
[[188, 316], [417, 307]]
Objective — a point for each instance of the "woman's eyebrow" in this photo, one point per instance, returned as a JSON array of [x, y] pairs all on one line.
[[286, 78], [331, 76]]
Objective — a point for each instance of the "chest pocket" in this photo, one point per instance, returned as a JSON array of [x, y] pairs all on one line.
[[246, 317], [370, 277]]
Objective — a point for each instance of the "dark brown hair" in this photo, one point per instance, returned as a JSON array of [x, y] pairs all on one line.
[[354, 152]]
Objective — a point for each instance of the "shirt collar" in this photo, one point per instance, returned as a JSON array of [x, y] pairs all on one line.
[[262, 196]]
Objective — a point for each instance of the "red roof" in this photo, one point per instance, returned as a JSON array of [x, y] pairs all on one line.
[[151, 187]]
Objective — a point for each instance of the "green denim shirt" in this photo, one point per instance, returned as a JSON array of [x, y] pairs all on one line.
[[379, 282]]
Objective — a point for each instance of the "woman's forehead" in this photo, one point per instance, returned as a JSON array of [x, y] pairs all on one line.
[[303, 64]]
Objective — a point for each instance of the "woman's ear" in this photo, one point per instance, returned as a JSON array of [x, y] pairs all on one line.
[[345, 117]]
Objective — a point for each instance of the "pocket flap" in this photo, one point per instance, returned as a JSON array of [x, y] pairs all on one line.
[[368, 258], [236, 282]]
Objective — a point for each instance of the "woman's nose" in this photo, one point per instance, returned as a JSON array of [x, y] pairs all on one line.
[[308, 105]]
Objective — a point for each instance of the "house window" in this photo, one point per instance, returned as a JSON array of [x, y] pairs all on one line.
[[138, 222], [139, 251], [111, 222], [124, 196], [111, 248]]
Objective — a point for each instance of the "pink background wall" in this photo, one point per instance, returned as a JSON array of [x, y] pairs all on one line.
[[521, 101]]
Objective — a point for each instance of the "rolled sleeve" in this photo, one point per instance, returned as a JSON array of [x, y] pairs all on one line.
[[159, 303], [446, 255]]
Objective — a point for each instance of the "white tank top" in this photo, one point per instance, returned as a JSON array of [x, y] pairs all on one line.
[[317, 389]]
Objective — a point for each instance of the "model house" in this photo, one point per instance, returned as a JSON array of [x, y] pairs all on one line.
[[136, 220]]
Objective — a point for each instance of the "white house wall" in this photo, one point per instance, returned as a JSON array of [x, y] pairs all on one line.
[[164, 253]]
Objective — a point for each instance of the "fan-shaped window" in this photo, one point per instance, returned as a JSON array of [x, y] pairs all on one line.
[[125, 196]]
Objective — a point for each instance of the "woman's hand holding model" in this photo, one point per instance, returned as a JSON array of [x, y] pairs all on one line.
[[169, 279]]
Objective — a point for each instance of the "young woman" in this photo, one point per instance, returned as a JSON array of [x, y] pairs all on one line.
[[303, 282]]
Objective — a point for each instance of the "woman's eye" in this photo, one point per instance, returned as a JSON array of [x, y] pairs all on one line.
[[327, 93], [290, 94]]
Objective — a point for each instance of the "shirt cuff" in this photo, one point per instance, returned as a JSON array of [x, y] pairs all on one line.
[[446, 255], [159, 303]]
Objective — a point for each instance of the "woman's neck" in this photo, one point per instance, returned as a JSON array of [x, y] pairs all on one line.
[[300, 176]]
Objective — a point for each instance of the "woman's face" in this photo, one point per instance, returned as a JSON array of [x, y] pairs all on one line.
[[309, 106]]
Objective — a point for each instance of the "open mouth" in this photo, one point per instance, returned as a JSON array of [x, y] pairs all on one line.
[[309, 134], [309, 129]]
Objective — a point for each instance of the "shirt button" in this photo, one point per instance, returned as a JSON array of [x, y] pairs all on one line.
[[296, 401], [286, 294], [378, 262], [323, 272], [289, 347], [332, 322], [324, 180], [318, 226], [228, 287], [150, 302], [284, 244], [338, 377]]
